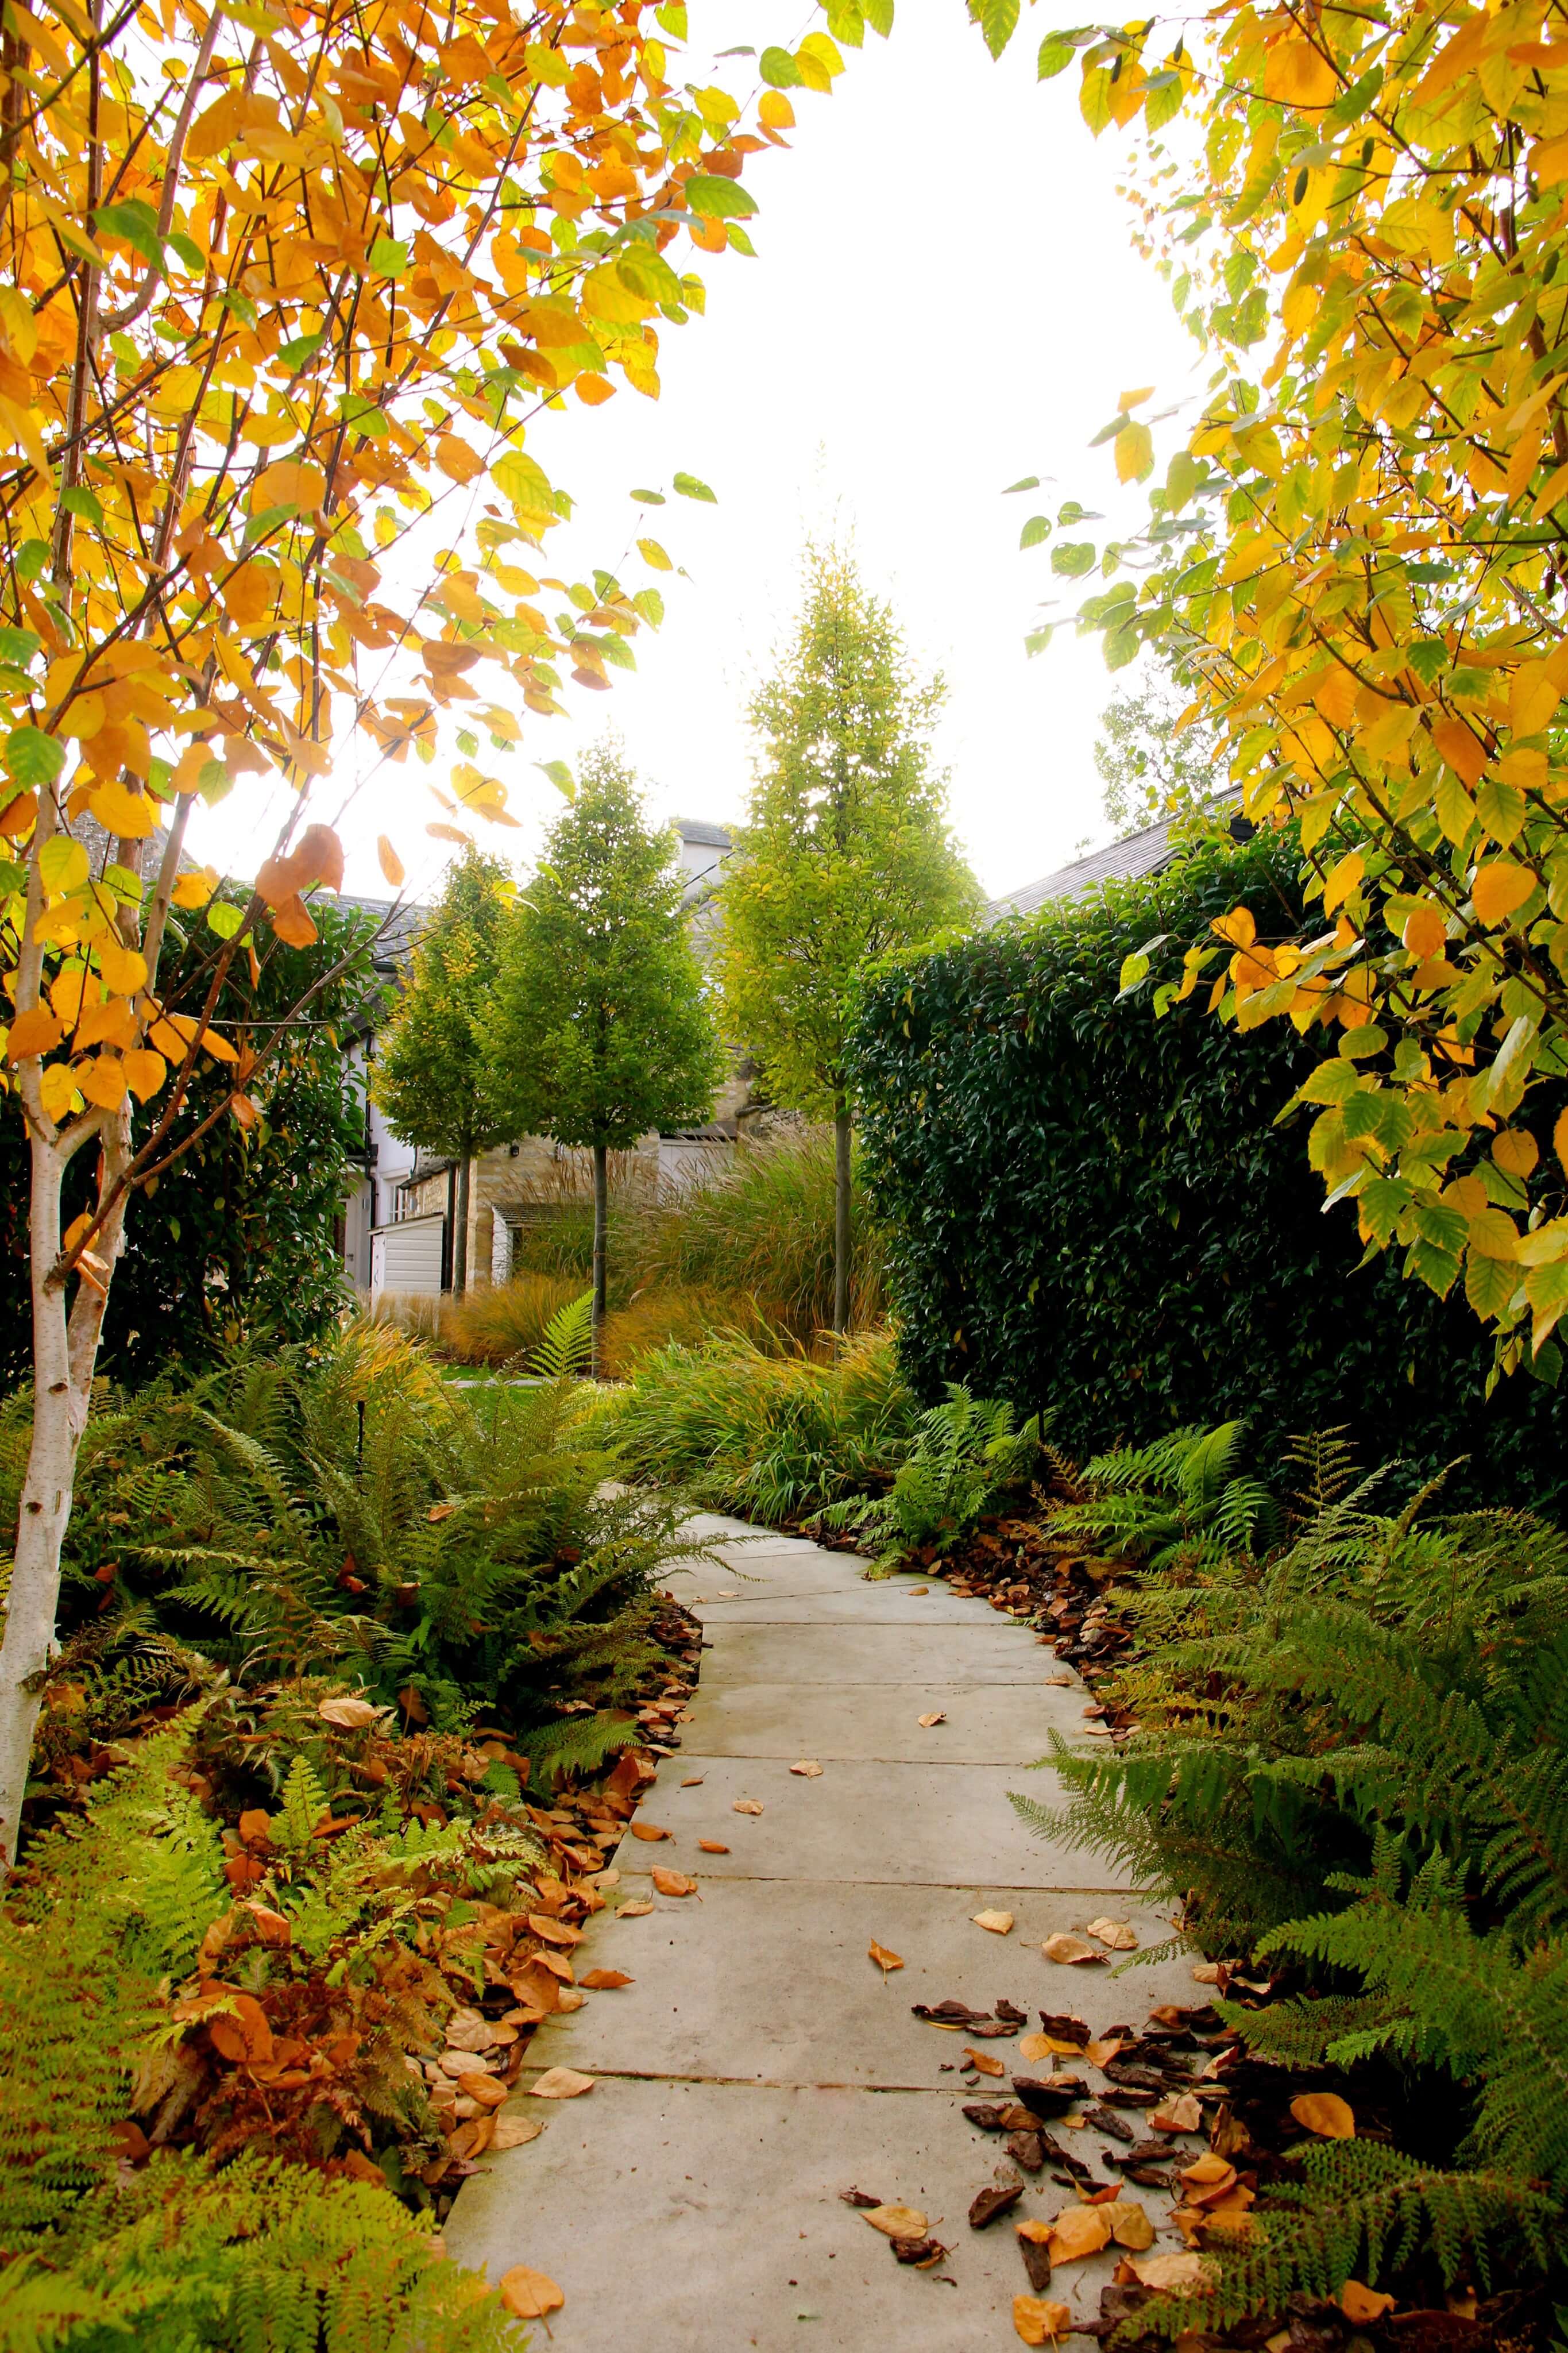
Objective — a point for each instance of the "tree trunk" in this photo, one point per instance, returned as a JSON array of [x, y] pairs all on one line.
[[601, 1241], [841, 1217], [65, 1356], [460, 1239]]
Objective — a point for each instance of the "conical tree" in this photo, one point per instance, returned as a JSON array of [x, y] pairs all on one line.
[[601, 1027], [433, 1077], [846, 851]]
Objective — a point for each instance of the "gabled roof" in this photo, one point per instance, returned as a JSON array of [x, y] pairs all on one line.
[[707, 835], [1121, 861]]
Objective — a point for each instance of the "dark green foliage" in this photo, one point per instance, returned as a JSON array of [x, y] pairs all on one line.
[[239, 1236], [1180, 1496], [343, 1505], [966, 1455], [1090, 1209], [1353, 1752]]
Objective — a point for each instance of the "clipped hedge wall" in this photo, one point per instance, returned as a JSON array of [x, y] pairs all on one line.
[[1092, 1210]]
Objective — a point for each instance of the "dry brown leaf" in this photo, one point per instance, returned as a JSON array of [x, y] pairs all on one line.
[[1034, 2047], [1169, 2271], [672, 1882], [605, 1981], [1119, 1934], [1362, 2306], [746, 1806], [482, 2089], [938, 1717], [1035, 2230], [884, 1959], [1130, 2223], [1178, 2116], [983, 2063], [529, 2294], [1078, 2231], [1324, 2113], [1067, 1680], [1066, 1947], [467, 2030], [1209, 2172], [1097, 2053], [649, 1831], [1040, 2321], [569, 2000], [712, 1846], [515, 2132], [999, 1923], [693, 1781], [559, 2084], [635, 1910], [349, 1714], [897, 2222], [1206, 1972], [808, 1768]]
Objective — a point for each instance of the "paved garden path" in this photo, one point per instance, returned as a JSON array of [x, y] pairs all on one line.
[[761, 2065]]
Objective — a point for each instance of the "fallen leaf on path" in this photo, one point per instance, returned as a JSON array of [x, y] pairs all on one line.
[[1058, 1678], [884, 1959], [1097, 2053], [569, 2000], [1362, 2305], [1064, 1947], [983, 2063], [1178, 2116], [1026, 2151], [1052, 2046], [1206, 1972], [898, 2221], [693, 1781], [1120, 1935], [1130, 2225], [999, 1923], [467, 2030], [672, 1882], [1210, 2176], [1039, 2321], [634, 1910], [1169, 2271], [920, 1589], [529, 2295], [1078, 2231], [938, 1717], [1326, 2114], [561, 2084], [606, 1980], [1050, 2095], [746, 1806], [862, 2198], [515, 2132], [648, 1831], [986, 2204], [808, 1768], [924, 2253], [712, 1846], [1034, 2246]]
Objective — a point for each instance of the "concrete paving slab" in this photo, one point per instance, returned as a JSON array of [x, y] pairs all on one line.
[[759, 2064], [818, 1655], [923, 1825], [793, 1602], [734, 1991], [705, 2218], [987, 1724]]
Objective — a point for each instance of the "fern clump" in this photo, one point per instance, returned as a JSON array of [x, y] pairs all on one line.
[[966, 1455], [1350, 1764]]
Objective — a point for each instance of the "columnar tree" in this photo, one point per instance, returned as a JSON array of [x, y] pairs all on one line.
[[846, 851], [432, 1076], [601, 1026], [270, 291]]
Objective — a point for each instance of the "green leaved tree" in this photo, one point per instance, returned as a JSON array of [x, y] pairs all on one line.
[[1150, 765], [846, 850], [434, 1078], [601, 1027]]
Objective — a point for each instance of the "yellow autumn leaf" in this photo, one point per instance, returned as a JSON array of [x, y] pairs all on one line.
[[1498, 889]]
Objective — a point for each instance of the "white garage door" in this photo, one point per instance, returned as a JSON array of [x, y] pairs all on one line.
[[406, 1258]]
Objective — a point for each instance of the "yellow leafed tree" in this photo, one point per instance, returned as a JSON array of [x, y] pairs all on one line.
[[1359, 558], [283, 285]]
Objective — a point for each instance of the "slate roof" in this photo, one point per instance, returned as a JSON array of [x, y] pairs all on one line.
[[1121, 861], [707, 835]]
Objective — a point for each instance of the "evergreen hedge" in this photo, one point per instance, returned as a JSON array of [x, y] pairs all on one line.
[[1093, 1211]]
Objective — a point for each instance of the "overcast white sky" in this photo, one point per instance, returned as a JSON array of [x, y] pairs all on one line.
[[945, 298]]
